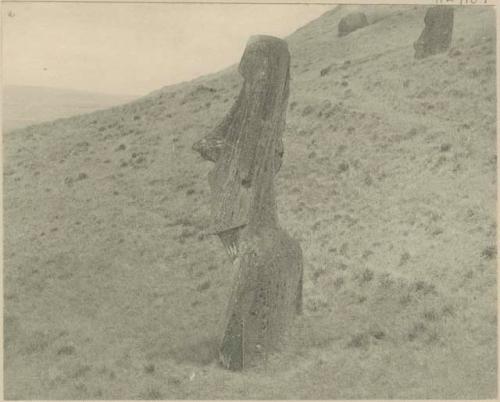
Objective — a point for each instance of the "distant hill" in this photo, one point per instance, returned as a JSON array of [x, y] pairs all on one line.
[[112, 290], [27, 105]]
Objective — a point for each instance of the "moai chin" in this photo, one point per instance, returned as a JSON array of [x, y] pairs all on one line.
[[437, 33], [247, 150]]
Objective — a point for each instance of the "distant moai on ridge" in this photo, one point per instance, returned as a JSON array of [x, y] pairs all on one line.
[[351, 22], [437, 33], [247, 150]]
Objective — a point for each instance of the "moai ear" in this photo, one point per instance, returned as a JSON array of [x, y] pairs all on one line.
[[278, 155]]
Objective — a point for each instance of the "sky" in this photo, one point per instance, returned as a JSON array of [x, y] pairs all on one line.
[[133, 49]]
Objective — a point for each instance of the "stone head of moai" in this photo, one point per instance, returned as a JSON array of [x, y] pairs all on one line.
[[247, 145], [437, 33], [351, 22]]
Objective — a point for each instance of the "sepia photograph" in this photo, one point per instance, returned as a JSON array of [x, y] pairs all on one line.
[[249, 201]]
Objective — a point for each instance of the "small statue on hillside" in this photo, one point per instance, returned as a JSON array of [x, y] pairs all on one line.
[[247, 150], [352, 22], [437, 33]]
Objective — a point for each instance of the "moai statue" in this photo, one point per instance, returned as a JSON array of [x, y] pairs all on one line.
[[352, 22], [436, 36], [247, 150]]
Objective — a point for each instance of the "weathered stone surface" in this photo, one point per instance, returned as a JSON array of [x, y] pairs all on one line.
[[437, 33], [351, 22], [247, 150]]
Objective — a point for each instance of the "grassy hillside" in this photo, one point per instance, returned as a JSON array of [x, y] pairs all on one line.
[[26, 105], [389, 183]]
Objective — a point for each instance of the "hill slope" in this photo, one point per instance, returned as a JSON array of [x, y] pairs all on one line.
[[26, 105], [388, 181]]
